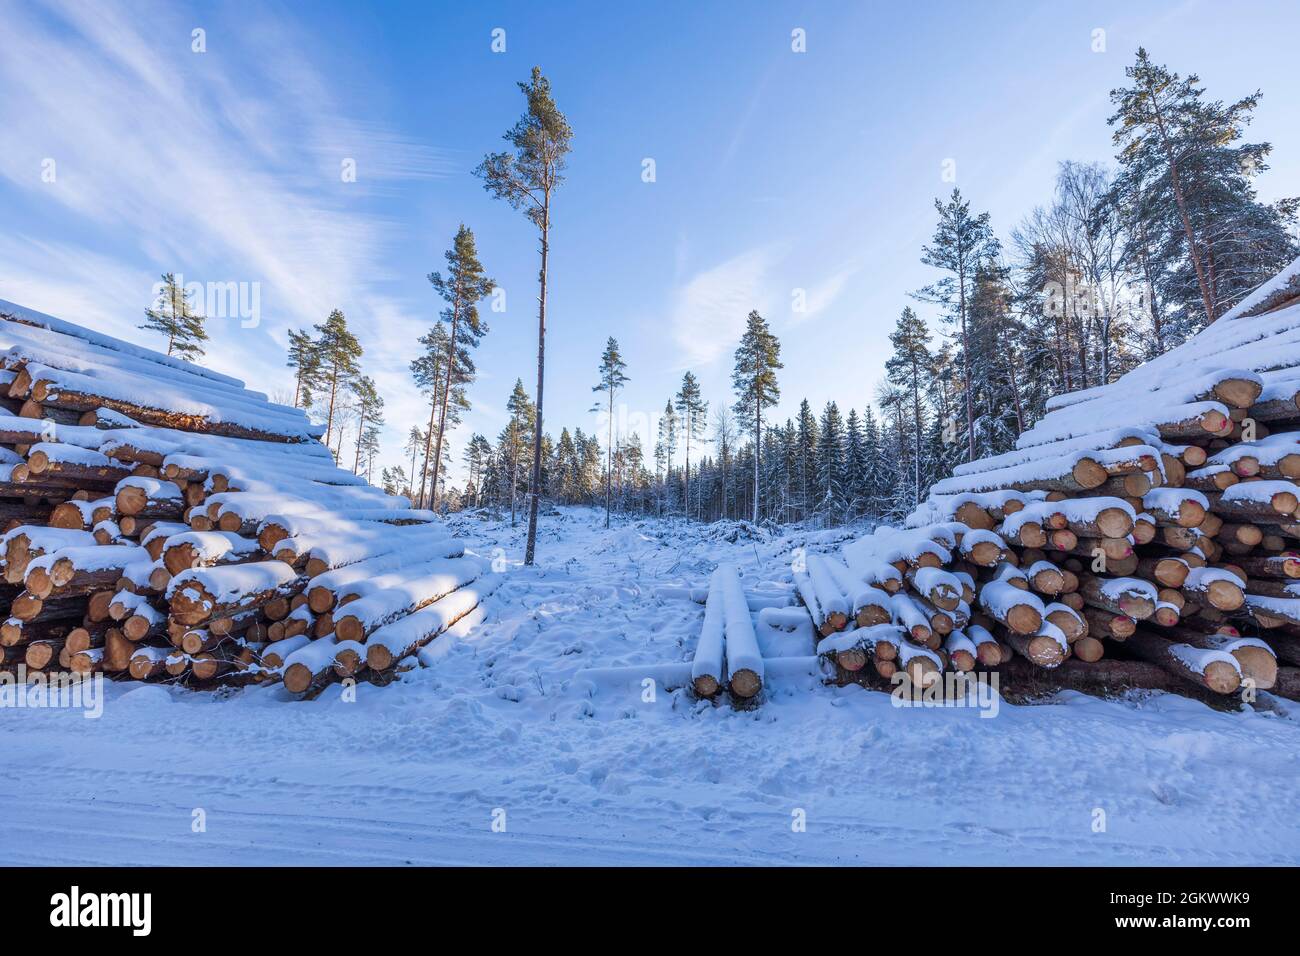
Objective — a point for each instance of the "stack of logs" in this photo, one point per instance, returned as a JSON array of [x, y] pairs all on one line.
[[1166, 544], [162, 522]]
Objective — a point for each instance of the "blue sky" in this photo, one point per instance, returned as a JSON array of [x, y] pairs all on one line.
[[775, 170]]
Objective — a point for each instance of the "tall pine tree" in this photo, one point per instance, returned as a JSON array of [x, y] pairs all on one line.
[[527, 179], [754, 381]]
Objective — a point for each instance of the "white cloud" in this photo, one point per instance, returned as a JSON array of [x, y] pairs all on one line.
[[223, 166], [708, 312], [821, 296]]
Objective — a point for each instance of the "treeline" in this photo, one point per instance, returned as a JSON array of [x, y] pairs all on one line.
[[1121, 264]]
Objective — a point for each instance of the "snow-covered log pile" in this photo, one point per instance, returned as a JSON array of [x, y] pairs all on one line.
[[161, 521], [1154, 519]]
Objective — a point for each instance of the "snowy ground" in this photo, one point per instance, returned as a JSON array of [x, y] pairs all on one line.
[[414, 772]]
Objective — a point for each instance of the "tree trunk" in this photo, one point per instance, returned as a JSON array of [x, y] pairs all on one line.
[[329, 418], [609, 455], [916, 415], [686, 477], [758, 437], [428, 440], [446, 388], [965, 361], [361, 427], [1175, 180], [535, 486]]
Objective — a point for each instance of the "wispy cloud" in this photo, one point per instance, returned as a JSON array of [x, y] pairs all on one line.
[[226, 165], [709, 310]]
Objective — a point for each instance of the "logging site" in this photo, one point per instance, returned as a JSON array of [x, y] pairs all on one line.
[[953, 523]]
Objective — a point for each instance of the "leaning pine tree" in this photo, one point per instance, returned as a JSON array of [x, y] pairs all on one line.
[[340, 353], [174, 317], [754, 379], [527, 179], [612, 378], [370, 416], [462, 288]]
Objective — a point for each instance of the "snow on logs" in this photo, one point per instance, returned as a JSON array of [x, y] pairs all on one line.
[[727, 652], [133, 487], [744, 662], [707, 674], [1154, 518]]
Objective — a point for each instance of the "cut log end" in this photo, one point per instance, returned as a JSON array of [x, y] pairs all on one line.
[[1024, 619], [745, 683], [1221, 677]]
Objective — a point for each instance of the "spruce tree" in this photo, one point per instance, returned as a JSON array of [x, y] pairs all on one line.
[[173, 316], [754, 381], [612, 377], [854, 465], [830, 464], [527, 179], [807, 453]]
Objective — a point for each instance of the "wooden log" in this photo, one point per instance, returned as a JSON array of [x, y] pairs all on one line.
[[1019, 611], [1132, 597], [1045, 649], [394, 642], [201, 594], [1287, 683], [52, 396], [1102, 623], [1255, 658], [1214, 670]]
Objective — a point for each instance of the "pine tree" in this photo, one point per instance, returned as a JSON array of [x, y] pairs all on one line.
[[173, 316], [368, 448], [612, 378], [427, 370], [1181, 158], [304, 359], [692, 411], [517, 436], [666, 446], [961, 243], [340, 353], [754, 381], [414, 442], [464, 286], [478, 458], [907, 369], [527, 179], [370, 414]]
